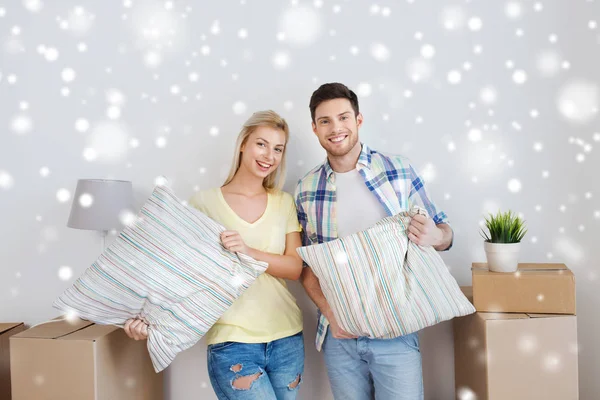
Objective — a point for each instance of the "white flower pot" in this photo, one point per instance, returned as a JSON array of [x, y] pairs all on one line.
[[502, 257]]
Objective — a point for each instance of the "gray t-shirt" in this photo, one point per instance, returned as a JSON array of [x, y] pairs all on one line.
[[357, 208]]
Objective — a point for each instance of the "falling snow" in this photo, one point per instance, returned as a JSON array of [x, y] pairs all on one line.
[[500, 125], [65, 273], [301, 25], [578, 101], [63, 195], [86, 200]]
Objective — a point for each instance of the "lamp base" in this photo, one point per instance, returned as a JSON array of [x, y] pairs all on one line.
[[103, 240]]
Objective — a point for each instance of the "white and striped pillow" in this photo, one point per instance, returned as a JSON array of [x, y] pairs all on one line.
[[381, 285], [169, 268]]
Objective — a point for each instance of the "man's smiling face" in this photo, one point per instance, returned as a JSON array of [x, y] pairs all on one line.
[[337, 126]]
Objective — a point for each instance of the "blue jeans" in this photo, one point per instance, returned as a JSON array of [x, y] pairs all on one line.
[[257, 371], [363, 368]]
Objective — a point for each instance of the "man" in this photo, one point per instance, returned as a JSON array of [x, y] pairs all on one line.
[[352, 190]]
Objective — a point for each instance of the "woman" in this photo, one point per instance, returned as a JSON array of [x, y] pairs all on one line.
[[256, 349]]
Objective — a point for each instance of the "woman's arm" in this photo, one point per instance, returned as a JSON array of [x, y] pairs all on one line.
[[287, 266]]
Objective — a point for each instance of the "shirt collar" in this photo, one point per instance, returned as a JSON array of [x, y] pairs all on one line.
[[364, 159]]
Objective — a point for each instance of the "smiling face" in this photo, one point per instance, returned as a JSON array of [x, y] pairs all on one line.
[[263, 151], [337, 126]]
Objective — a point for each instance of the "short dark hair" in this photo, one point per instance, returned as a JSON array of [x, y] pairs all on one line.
[[330, 91]]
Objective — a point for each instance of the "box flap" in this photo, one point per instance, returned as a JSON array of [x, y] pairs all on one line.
[[531, 315], [468, 292], [528, 267], [490, 316], [92, 332], [7, 326], [54, 329]]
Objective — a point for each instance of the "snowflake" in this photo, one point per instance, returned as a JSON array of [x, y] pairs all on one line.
[[475, 24], [239, 107], [301, 25], [65, 273], [6, 180], [86, 200], [578, 101], [527, 344], [427, 51], [380, 52], [519, 77], [21, 124], [281, 60], [453, 18], [513, 10], [33, 5], [514, 185], [454, 77], [160, 142], [548, 63], [63, 195], [341, 257], [364, 89], [488, 95]]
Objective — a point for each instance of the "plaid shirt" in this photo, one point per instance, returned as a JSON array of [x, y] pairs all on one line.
[[392, 179]]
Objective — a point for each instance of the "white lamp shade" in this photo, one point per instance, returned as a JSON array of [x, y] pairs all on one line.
[[98, 204]]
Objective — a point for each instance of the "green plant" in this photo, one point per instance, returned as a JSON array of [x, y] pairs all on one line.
[[504, 228]]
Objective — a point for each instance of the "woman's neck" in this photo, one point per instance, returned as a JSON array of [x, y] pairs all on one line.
[[246, 184]]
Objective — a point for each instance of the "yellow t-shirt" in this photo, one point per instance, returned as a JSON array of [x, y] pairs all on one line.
[[266, 311]]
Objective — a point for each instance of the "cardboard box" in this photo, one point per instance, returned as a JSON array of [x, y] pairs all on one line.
[[79, 360], [468, 292], [499, 356], [534, 288], [6, 331]]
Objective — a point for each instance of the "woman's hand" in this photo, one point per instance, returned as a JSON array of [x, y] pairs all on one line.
[[136, 329], [233, 242]]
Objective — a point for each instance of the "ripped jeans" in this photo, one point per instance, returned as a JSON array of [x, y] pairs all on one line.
[[257, 371]]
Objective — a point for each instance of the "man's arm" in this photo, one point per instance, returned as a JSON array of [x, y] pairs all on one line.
[[446, 239], [434, 231], [309, 280], [313, 289]]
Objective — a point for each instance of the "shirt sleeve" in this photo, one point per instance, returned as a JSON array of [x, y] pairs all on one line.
[[292, 224], [302, 218]]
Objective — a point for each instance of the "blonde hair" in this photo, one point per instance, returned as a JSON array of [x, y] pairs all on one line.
[[275, 180]]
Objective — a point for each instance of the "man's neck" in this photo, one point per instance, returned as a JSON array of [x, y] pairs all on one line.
[[347, 162]]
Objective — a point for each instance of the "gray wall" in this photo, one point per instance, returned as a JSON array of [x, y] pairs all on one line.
[[161, 88]]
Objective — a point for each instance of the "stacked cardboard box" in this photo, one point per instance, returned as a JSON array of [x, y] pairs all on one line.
[[6, 331], [522, 342], [78, 360]]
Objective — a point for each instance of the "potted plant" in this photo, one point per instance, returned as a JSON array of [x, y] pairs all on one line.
[[502, 245]]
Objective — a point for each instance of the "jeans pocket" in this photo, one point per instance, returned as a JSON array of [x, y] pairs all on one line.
[[220, 346], [411, 340]]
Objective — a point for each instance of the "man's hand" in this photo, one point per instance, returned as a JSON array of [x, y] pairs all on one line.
[[424, 232], [311, 284], [336, 331]]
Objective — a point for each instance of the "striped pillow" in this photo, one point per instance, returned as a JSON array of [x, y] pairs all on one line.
[[169, 268], [381, 285]]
